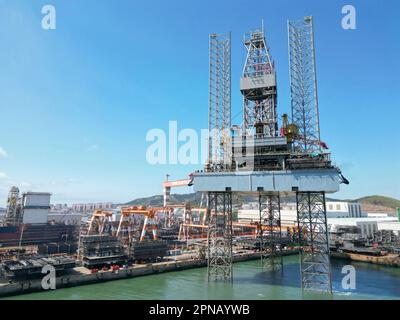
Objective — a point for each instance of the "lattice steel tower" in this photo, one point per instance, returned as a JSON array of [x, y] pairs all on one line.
[[258, 86], [219, 206], [311, 208], [219, 236], [219, 116], [303, 85], [14, 210], [314, 257], [270, 230]]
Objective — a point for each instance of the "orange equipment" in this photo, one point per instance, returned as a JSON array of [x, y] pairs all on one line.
[[101, 218], [167, 185], [150, 215]]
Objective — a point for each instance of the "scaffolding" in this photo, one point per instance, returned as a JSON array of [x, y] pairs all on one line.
[[219, 236], [314, 256]]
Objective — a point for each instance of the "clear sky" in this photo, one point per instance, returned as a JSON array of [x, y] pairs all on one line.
[[77, 102]]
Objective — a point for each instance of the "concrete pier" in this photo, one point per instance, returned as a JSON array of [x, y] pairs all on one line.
[[82, 276]]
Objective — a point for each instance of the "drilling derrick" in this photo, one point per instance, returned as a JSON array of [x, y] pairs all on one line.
[[258, 86], [264, 149]]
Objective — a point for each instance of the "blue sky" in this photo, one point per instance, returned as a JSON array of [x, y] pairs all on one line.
[[76, 102]]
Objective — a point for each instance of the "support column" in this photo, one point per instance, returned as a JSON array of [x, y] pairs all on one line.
[[315, 268], [219, 236], [270, 231], [187, 221], [166, 193]]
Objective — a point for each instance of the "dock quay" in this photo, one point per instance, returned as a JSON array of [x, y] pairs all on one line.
[[79, 276], [389, 260]]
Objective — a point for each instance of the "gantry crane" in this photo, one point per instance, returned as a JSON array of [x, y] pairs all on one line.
[[101, 218], [150, 219], [167, 185]]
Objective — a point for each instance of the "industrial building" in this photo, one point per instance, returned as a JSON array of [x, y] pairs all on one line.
[[64, 218], [367, 226], [90, 207], [29, 221], [334, 209]]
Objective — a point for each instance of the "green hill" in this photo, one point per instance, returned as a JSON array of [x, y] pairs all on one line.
[[157, 200], [380, 201]]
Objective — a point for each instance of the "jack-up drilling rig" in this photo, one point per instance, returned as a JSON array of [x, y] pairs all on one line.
[[257, 158]]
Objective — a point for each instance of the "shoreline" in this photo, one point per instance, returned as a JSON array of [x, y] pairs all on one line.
[[390, 260], [81, 276]]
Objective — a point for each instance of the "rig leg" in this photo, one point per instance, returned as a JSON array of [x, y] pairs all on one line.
[[315, 271], [270, 230], [219, 236]]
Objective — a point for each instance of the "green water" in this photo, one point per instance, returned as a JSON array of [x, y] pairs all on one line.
[[250, 282]]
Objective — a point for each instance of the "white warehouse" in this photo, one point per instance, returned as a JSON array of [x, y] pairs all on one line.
[[334, 209]]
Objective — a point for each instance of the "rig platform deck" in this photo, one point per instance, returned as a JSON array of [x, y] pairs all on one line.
[[313, 180]]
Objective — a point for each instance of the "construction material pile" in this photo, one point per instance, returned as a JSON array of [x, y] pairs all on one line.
[[98, 251], [148, 251]]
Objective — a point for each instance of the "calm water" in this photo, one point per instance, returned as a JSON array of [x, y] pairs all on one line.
[[250, 282]]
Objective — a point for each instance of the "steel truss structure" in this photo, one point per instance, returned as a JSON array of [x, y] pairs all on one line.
[[219, 116], [14, 208], [219, 236], [270, 230], [303, 85], [259, 94], [187, 218], [315, 269]]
